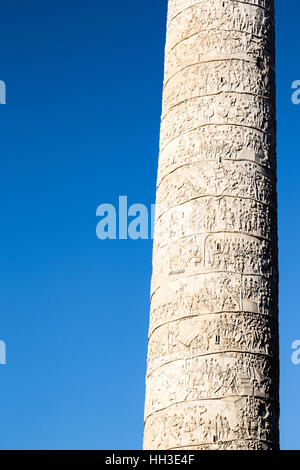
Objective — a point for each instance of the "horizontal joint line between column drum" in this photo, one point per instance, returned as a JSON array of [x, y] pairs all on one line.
[[216, 196], [208, 399], [222, 92], [205, 1], [216, 30], [229, 351], [212, 124], [232, 160], [202, 62], [234, 273], [208, 234], [221, 441], [218, 232], [222, 312]]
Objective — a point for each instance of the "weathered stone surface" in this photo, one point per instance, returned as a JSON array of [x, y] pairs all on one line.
[[232, 423], [212, 374]]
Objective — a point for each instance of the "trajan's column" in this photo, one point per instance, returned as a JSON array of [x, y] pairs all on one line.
[[212, 373]]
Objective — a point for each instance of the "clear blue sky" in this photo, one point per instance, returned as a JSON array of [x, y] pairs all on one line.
[[80, 128]]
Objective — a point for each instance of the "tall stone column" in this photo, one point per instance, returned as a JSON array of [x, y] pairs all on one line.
[[212, 372]]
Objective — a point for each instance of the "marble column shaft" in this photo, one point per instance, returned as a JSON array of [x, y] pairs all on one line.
[[212, 371]]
